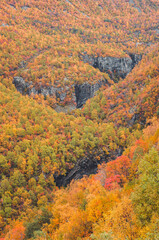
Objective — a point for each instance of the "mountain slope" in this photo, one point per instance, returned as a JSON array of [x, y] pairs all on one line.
[[42, 42], [55, 55]]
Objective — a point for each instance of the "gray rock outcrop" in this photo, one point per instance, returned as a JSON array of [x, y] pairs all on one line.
[[115, 67], [82, 91], [21, 85], [85, 91], [27, 88]]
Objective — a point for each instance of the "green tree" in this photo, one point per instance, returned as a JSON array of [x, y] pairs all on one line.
[[146, 195], [102, 236], [5, 186], [17, 180], [42, 180], [4, 167]]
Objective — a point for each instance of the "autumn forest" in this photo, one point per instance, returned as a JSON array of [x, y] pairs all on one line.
[[79, 120]]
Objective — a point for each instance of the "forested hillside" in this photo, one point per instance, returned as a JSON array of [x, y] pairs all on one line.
[[79, 127]]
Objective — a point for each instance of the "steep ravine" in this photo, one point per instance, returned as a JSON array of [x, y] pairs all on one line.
[[86, 166], [83, 167], [116, 68]]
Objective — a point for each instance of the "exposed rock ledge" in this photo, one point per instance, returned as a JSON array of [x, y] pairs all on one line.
[[27, 88], [85, 91], [115, 67], [82, 91]]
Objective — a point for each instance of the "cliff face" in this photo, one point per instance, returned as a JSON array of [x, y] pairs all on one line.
[[27, 88], [82, 92], [115, 67], [85, 91]]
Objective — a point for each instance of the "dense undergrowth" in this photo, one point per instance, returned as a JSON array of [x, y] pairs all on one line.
[[118, 128]]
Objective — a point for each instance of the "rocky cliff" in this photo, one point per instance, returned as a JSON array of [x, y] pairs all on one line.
[[27, 88], [81, 92], [115, 67], [85, 91]]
